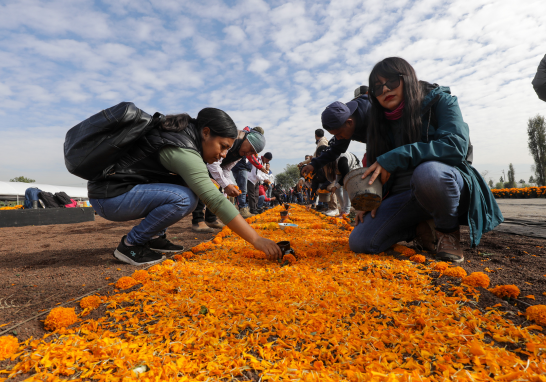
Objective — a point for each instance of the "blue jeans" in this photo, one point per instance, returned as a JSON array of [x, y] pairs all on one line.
[[437, 191], [343, 201], [241, 178], [160, 204], [261, 200]]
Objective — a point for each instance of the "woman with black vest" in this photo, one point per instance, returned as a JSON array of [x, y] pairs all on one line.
[[161, 179]]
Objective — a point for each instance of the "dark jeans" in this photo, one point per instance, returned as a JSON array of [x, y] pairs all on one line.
[[198, 215], [253, 193], [241, 180], [437, 191], [160, 204]]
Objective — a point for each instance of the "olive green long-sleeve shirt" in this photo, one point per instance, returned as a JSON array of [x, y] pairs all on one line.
[[190, 166]]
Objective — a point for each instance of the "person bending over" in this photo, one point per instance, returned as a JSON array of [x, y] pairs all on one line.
[[161, 179], [539, 82], [335, 172], [419, 148]]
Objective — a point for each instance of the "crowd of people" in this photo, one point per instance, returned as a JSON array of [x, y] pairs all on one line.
[[417, 146]]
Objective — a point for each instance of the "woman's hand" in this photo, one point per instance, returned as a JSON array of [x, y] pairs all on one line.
[[231, 190], [376, 170], [269, 247], [359, 217]]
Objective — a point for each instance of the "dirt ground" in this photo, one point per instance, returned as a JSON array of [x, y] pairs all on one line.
[[45, 266]]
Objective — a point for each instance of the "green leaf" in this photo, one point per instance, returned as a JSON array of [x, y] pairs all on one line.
[[204, 310]]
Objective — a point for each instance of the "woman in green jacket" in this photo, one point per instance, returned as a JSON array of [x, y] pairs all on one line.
[[419, 147], [160, 181]]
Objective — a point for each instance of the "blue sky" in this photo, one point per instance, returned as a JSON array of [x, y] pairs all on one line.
[[275, 64]]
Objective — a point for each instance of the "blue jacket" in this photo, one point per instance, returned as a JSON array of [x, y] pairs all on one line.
[[341, 145], [447, 142], [243, 164]]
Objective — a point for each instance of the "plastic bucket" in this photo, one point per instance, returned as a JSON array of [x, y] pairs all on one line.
[[364, 197], [325, 198]]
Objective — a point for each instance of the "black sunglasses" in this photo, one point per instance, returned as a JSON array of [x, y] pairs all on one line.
[[392, 83]]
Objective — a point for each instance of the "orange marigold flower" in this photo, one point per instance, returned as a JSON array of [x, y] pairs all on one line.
[[455, 272], [91, 302], [168, 263], [477, 279], [140, 275], [217, 240], [441, 266], [537, 313], [126, 282], [418, 258], [290, 258], [502, 291], [403, 250], [155, 268], [60, 318], [8, 346]]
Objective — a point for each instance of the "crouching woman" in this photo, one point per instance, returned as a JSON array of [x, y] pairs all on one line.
[[419, 147], [161, 179]]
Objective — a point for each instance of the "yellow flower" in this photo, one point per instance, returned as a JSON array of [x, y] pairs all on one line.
[[537, 313], [477, 279], [126, 282], [441, 266], [140, 275], [502, 291], [8, 346], [418, 258], [455, 272], [91, 302], [60, 318]]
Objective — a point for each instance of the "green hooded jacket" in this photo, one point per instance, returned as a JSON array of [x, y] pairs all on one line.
[[447, 142]]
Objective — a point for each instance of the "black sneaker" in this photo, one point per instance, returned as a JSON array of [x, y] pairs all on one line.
[[161, 244], [136, 254]]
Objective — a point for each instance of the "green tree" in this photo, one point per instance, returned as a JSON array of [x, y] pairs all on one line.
[[536, 132], [511, 177], [501, 180], [22, 179], [531, 179], [490, 183], [289, 177]]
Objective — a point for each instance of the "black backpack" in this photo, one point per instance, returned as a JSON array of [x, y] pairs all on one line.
[[62, 198], [92, 147], [49, 200]]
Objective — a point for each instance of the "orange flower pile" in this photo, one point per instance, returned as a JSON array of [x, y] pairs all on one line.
[[140, 275], [8, 346], [126, 282], [230, 314], [523, 192], [17, 207], [440, 267], [90, 302], [505, 291], [477, 279], [537, 313], [418, 258], [60, 318], [403, 250], [182, 256], [455, 272]]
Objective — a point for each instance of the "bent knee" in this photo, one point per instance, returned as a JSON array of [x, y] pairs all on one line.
[[361, 243]]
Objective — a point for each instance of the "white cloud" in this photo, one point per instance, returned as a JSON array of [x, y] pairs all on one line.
[[259, 65]]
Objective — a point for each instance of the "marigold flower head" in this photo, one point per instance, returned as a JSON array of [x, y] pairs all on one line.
[[290, 258], [126, 282], [8, 346], [477, 279], [155, 268], [60, 318], [403, 250], [140, 275], [441, 266], [455, 272], [217, 240], [91, 302], [418, 258], [537, 313], [502, 291], [168, 263]]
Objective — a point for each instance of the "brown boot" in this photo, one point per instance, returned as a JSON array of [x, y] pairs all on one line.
[[425, 237], [215, 224], [245, 213], [201, 227], [449, 247]]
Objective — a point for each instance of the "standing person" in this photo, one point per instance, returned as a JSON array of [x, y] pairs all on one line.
[[320, 140], [419, 148], [254, 178], [539, 82], [270, 178], [347, 122], [247, 143], [160, 180]]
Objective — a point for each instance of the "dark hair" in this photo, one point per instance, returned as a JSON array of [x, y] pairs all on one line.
[[218, 121], [319, 133], [411, 119]]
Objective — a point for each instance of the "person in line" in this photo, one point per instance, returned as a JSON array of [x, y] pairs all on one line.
[[240, 172], [320, 140], [256, 176], [161, 179], [419, 148], [347, 122], [335, 172], [247, 143], [539, 82]]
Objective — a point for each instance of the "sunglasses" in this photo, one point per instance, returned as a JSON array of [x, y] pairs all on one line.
[[391, 84]]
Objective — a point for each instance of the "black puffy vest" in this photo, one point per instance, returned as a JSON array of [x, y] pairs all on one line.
[[141, 165]]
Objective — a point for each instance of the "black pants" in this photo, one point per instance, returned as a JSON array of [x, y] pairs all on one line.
[[252, 195], [198, 215]]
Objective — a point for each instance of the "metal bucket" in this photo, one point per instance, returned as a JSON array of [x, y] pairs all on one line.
[[325, 198], [364, 197]]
